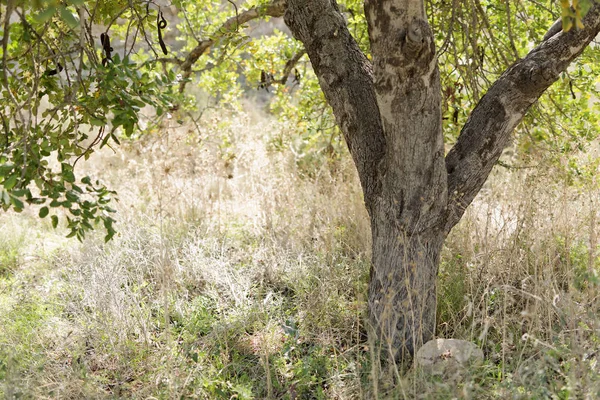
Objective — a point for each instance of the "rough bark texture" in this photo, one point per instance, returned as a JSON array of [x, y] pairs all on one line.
[[390, 115], [392, 124], [406, 219], [402, 289], [407, 84], [345, 76]]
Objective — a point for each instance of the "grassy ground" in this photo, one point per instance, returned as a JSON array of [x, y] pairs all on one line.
[[238, 274]]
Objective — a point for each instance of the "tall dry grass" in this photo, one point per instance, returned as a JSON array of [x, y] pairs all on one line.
[[238, 273]]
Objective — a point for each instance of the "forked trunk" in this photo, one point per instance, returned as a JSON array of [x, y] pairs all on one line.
[[402, 289], [390, 114], [389, 111]]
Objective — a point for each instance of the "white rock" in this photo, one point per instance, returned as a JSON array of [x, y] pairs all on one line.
[[440, 356]]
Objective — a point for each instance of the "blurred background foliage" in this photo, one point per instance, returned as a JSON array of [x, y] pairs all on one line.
[[64, 96]]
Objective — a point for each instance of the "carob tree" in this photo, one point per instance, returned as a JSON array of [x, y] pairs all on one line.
[[385, 93], [390, 112]]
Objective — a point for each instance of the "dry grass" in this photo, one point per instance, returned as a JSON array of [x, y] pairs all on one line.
[[238, 274]]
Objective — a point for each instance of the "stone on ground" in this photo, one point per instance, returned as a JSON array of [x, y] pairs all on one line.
[[447, 356]]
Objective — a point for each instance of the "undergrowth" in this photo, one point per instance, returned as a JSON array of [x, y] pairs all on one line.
[[237, 274]]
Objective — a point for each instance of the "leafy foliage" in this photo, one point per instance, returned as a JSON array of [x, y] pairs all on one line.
[[61, 98], [573, 12], [65, 94]]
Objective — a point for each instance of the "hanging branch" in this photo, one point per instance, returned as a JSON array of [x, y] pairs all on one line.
[[274, 9]]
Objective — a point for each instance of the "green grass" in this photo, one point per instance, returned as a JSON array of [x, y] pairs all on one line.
[[254, 286]]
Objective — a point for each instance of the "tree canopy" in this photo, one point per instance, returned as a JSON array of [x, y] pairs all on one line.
[[76, 75]]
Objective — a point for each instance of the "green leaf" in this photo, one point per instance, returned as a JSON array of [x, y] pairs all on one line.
[[77, 189], [109, 236], [128, 128], [21, 193], [68, 176], [68, 17], [5, 197], [44, 211], [45, 15], [108, 223], [97, 122], [567, 23], [26, 35], [72, 196], [584, 6], [54, 221], [17, 203], [6, 169], [10, 182]]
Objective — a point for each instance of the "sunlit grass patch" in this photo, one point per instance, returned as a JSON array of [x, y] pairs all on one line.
[[254, 286]]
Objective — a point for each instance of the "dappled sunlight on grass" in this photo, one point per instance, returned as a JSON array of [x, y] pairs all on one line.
[[235, 274]]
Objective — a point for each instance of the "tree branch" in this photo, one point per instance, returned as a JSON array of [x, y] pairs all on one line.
[[289, 66], [173, 60], [488, 129], [268, 79], [273, 9], [345, 76]]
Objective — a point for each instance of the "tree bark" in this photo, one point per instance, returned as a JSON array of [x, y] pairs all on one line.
[[345, 76], [402, 288], [406, 223], [390, 115], [392, 123]]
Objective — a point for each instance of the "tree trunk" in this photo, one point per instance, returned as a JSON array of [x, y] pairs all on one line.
[[390, 114], [402, 289], [406, 221]]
